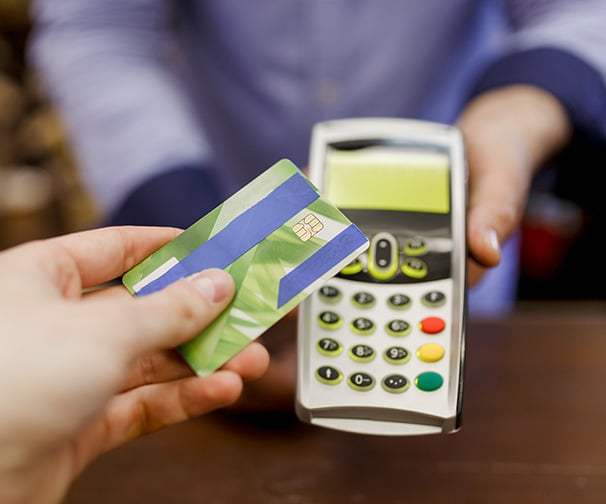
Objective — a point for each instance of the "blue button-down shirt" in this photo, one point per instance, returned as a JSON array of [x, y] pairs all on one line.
[[146, 85]]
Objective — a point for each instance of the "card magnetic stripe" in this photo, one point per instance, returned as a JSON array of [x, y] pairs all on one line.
[[322, 261], [243, 232]]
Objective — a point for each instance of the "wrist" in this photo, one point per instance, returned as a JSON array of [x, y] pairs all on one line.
[[573, 81], [529, 119]]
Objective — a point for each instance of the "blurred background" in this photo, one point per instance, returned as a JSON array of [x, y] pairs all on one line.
[[41, 194]]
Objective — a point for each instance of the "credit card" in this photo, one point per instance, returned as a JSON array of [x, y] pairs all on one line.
[[278, 237]]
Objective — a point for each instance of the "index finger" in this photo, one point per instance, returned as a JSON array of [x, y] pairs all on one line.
[[101, 255]]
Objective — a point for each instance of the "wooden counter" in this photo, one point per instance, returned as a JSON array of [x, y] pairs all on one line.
[[534, 431]]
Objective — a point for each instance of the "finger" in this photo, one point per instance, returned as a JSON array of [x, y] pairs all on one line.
[[509, 132], [168, 365], [104, 254], [162, 320], [108, 291], [156, 367], [498, 190], [250, 363], [150, 408]]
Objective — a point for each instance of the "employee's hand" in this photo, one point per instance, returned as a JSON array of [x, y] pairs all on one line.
[[509, 133], [81, 374]]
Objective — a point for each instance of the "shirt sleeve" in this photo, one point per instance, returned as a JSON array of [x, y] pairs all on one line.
[[559, 46], [110, 68]]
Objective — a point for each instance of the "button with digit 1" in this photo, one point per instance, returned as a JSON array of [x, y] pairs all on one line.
[[329, 294]]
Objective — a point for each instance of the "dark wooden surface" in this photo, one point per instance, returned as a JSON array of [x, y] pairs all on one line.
[[534, 431]]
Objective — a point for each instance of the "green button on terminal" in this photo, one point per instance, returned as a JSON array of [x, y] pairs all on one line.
[[429, 381]]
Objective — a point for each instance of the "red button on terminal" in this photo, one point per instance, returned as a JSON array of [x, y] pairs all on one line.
[[432, 325]]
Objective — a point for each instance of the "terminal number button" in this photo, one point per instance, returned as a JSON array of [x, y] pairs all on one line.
[[362, 326], [330, 320], [399, 301], [397, 328], [363, 299], [361, 381], [362, 353], [329, 293], [329, 347], [396, 355], [434, 299]]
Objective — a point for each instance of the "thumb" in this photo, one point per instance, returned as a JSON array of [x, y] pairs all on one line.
[[496, 204], [498, 188], [170, 317]]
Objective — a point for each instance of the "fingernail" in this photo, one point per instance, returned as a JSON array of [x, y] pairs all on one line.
[[214, 284], [492, 240]]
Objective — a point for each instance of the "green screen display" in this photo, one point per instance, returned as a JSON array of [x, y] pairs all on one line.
[[386, 177]]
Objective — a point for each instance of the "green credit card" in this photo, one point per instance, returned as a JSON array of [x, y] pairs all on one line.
[[278, 237]]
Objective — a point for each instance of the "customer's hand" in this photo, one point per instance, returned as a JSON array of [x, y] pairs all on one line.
[[509, 133], [83, 373]]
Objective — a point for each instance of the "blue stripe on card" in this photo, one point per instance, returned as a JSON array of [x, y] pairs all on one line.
[[243, 232], [329, 256]]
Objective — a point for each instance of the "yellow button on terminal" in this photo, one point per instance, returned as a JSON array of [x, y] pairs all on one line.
[[430, 352]]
